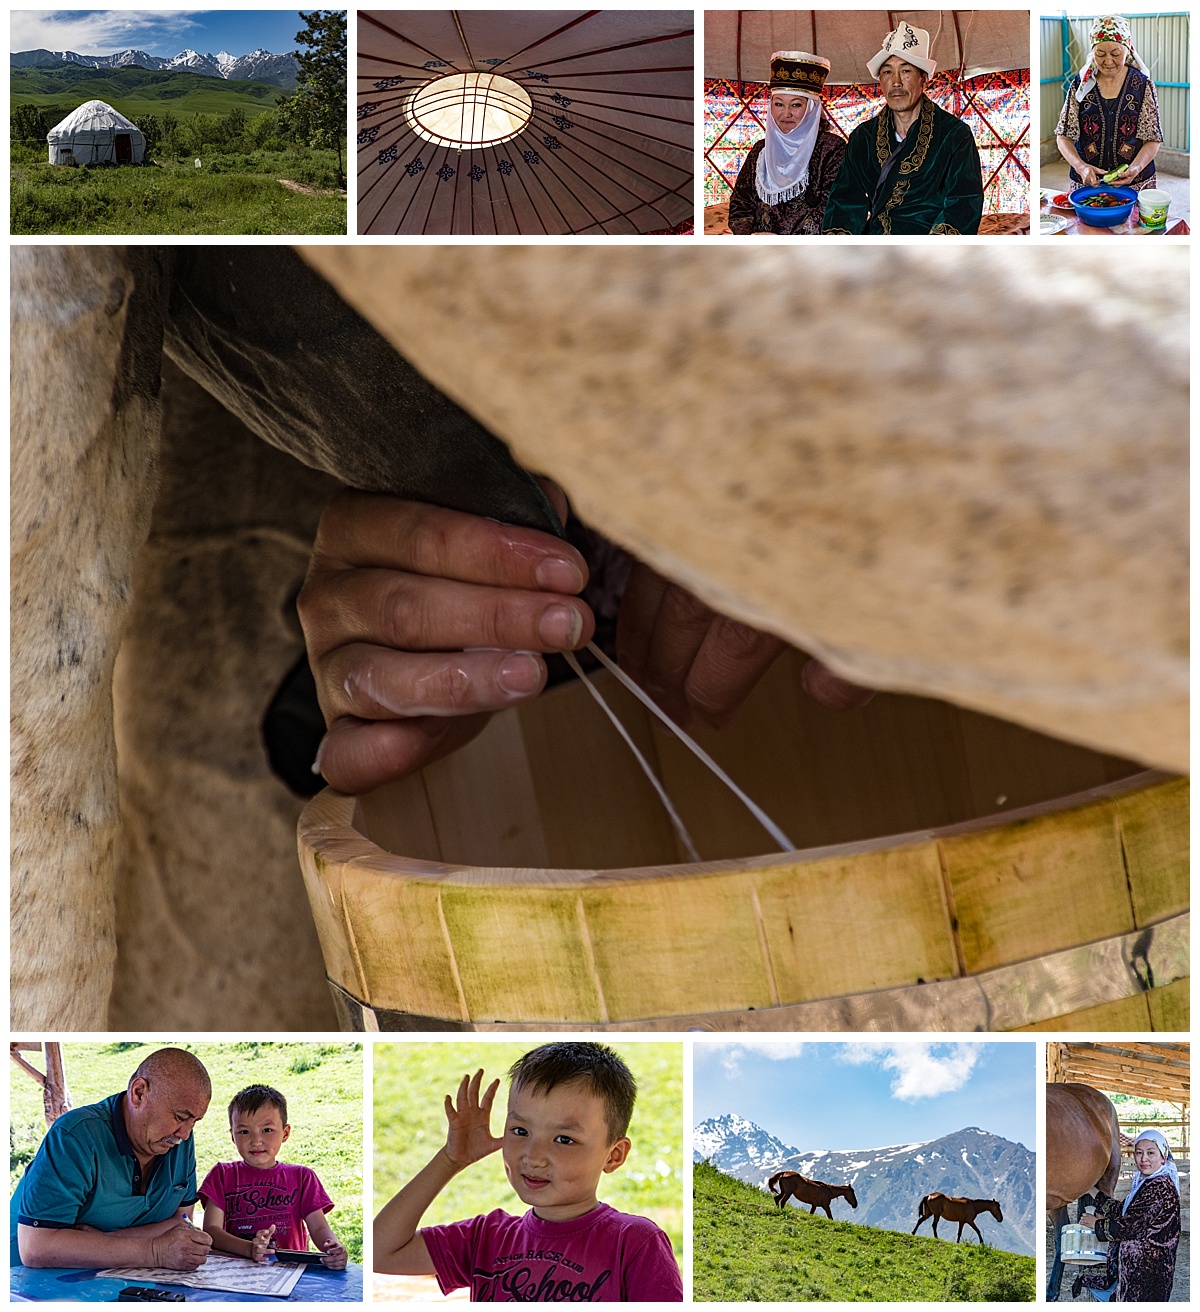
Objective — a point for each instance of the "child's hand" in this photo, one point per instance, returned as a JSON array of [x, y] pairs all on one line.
[[260, 1245], [333, 1255], [469, 1134]]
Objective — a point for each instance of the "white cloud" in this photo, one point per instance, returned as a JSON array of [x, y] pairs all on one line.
[[732, 1053], [100, 32], [921, 1070]]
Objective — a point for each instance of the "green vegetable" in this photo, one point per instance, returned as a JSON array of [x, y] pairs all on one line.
[[1116, 173]]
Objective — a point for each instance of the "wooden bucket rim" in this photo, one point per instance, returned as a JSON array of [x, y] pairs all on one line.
[[326, 829]]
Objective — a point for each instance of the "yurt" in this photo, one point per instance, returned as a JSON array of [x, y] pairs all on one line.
[[95, 133]]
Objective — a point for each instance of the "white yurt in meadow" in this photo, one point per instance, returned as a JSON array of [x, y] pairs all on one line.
[[95, 133]]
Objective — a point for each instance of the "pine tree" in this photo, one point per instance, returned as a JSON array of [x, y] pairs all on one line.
[[318, 109]]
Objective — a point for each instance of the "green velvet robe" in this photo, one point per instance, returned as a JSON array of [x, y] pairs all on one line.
[[935, 186]]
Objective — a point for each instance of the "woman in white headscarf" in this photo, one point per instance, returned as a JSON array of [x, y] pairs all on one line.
[[1110, 118], [784, 183], [1143, 1231]]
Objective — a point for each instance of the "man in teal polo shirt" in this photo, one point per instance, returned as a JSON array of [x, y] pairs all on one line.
[[114, 1184]]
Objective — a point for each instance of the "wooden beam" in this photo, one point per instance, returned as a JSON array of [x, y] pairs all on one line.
[[1129, 1066], [53, 1083]]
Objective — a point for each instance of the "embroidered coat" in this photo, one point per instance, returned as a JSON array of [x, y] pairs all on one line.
[[936, 186], [1109, 133], [1141, 1256], [802, 215]]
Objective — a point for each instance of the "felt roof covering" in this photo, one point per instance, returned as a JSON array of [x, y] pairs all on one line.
[[608, 149], [738, 43], [93, 116]]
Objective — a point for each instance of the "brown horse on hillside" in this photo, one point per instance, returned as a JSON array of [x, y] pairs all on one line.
[[1083, 1152], [962, 1210], [816, 1193]]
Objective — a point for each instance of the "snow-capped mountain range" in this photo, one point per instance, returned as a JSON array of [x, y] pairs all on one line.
[[259, 65], [890, 1181]]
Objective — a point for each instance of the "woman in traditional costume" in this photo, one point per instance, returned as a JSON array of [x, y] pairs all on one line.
[[1143, 1232], [1110, 117], [784, 183]]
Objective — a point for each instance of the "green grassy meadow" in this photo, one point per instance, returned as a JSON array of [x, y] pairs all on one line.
[[228, 196], [747, 1250], [411, 1080], [322, 1083], [256, 175]]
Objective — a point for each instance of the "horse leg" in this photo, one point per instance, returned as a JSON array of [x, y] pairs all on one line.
[[958, 1237], [1059, 1217], [973, 1227], [213, 631], [86, 361], [828, 1211]]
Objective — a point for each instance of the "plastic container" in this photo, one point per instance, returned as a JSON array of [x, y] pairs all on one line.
[[1109, 216], [1152, 208]]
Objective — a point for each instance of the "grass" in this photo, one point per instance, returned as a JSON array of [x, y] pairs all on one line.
[[137, 91], [410, 1126], [747, 1250], [237, 195], [322, 1082]]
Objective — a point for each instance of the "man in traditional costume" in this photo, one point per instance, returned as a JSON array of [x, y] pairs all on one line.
[[913, 168], [784, 183], [1110, 117]]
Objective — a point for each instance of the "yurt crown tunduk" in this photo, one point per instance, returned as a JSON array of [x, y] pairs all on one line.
[[525, 122], [95, 133]]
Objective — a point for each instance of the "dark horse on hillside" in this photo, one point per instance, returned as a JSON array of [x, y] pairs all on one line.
[[816, 1193], [1083, 1153], [962, 1210]]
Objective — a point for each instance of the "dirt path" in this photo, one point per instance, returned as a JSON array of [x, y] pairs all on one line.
[[306, 191]]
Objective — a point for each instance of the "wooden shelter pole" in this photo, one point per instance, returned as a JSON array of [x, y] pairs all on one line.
[[1054, 1065], [55, 1097]]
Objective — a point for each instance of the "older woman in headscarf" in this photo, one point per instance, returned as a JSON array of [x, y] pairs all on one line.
[[1143, 1231], [1110, 117], [784, 183]]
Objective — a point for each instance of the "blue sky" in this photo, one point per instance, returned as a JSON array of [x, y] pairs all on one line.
[[864, 1095], [157, 32]]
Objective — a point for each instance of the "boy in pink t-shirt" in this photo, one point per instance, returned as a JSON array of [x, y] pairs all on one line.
[[569, 1106], [258, 1204]]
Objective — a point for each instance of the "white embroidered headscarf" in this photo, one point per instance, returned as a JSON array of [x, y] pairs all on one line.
[[782, 171], [1109, 28], [1168, 1168]]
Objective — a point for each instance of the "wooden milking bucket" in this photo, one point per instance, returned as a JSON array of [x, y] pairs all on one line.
[[953, 872]]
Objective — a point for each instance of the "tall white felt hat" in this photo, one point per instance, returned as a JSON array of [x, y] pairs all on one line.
[[911, 44]]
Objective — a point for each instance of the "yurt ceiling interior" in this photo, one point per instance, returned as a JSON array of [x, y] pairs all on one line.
[[525, 122]]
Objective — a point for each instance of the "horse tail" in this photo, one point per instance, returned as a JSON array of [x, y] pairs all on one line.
[[773, 1181], [923, 1208]]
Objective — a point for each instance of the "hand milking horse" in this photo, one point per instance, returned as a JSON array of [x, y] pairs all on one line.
[[1083, 1153]]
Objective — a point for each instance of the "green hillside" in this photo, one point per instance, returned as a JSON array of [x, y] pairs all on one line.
[[138, 91], [747, 1250]]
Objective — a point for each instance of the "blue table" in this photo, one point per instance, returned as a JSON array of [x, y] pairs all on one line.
[[42, 1284]]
